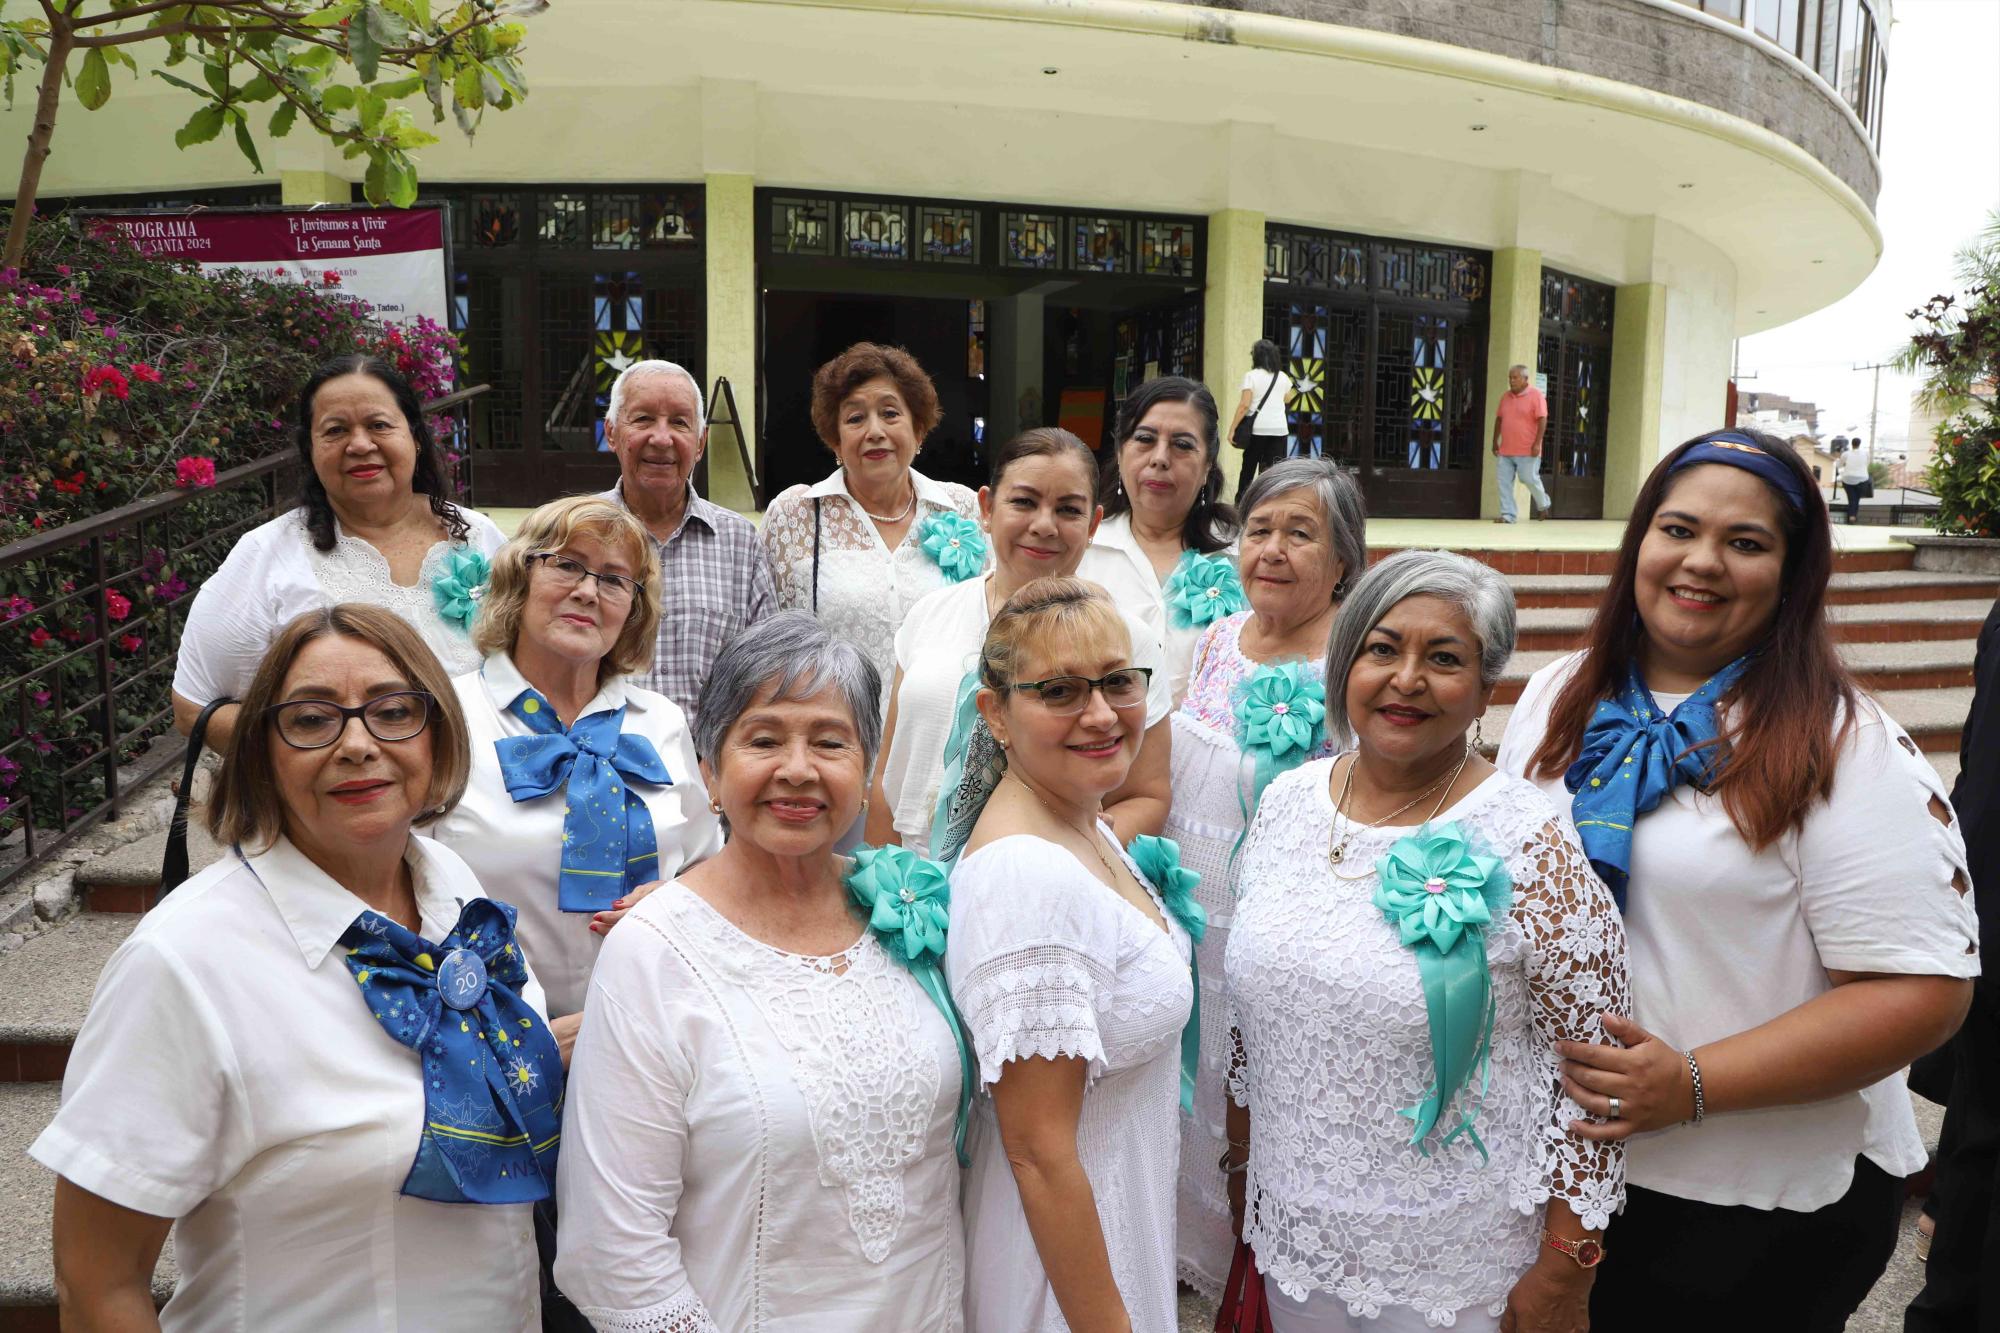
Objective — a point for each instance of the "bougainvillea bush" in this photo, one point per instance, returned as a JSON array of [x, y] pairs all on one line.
[[1964, 474], [124, 376]]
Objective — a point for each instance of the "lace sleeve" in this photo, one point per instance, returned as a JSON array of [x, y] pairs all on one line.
[[1576, 972], [1037, 1001], [787, 539]]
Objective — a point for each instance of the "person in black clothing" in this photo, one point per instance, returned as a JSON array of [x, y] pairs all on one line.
[[1962, 1280]]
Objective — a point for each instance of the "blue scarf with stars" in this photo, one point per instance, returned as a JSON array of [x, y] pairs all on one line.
[[1633, 756], [609, 846], [493, 1077]]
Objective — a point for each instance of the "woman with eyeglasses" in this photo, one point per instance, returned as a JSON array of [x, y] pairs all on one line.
[[321, 1063], [584, 787]]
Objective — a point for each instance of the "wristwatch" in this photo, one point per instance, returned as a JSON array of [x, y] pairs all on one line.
[[1587, 1252]]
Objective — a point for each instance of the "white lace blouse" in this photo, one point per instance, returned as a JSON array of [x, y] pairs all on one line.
[[1336, 1038], [1045, 960], [274, 572], [864, 588], [757, 1140]]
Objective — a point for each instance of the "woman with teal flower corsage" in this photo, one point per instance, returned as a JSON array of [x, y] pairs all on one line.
[[766, 1094], [1415, 934], [1165, 519], [1256, 708], [861, 547]]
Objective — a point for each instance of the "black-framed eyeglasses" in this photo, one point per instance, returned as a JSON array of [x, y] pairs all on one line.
[[314, 724], [568, 572], [1064, 695]]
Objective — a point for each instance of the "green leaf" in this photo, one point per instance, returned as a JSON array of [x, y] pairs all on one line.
[[384, 26], [246, 143], [217, 76], [340, 97], [181, 83], [93, 81], [281, 120], [202, 126], [375, 184], [402, 183], [332, 15], [364, 50], [401, 87], [465, 86], [373, 105], [259, 89]]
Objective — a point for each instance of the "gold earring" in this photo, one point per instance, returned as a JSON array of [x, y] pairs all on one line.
[[714, 806]]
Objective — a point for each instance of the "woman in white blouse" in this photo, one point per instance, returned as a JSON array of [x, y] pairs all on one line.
[[1793, 886], [553, 714], [1415, 933], [320, 1062], [760, 1126], [1163, 512], [1039, 513], [1070, 966], [374, 525], [1265, 402], [860, 548], [1304, 530]]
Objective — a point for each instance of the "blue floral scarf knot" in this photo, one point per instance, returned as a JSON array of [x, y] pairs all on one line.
[[1441, 896], [457, 588], [908, 902], [1202, 590], [1632, 756], [954, 543], [1159, 860], [493, 1076]]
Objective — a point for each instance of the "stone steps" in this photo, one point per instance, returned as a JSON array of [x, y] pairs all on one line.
[[1513, 560], [1856, 589], [1919, 665], [1551, 629], [127, 880]]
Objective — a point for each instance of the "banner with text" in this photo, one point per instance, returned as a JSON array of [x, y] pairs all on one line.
[[391, 258]]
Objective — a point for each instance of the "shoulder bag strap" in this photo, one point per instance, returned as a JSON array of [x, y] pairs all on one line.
[[174, 866], [1267, 396]]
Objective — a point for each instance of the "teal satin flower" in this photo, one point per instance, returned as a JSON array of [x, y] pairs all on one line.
[[1282, 710], [1433, 886], [457, 587], [908, 901], [1159, 860], [954, 543], [1202, 590]]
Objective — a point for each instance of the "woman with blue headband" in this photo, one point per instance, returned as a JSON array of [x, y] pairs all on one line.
[[1415, 934], [1793, 885]]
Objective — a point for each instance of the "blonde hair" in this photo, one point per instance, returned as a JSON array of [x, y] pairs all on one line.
[[550, 528], [247, 809], [1047, 616]]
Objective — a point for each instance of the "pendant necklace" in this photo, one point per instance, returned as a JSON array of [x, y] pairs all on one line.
[[1092, 838], [1337, 847]]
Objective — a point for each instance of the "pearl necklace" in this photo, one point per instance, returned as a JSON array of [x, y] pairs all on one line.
[[1336, 849], [883, 518]]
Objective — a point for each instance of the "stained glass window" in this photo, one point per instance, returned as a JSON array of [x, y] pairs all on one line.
[[1166, 249], [870, 230], [1101, 245], [671, 217], [1431, 274], [564, 220], [950, 234], [495, 219], [1030, 240], [801, 226]]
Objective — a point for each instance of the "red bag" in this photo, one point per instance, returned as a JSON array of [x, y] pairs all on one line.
[[1242, 1309]]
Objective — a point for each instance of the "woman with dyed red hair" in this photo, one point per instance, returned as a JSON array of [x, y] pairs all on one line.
[[1792, 882]]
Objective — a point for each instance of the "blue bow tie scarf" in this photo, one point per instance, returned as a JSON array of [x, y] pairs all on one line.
[[609, 846], [493, 1077], [1633, 756]]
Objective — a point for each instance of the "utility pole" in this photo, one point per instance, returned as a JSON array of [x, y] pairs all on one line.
[[1875, 402]]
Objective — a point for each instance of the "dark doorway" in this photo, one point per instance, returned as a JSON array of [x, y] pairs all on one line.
[[1575, 355]]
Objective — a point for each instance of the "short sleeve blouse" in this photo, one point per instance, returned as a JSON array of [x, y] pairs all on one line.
[[1724, 938], [1271, 419], [274, 572]]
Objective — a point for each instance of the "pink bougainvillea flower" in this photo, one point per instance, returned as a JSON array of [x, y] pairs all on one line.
[[130, 642], [116, 604], [144, 373], [73, 485], [107, 379], [16, 606], [40, 638], [194, 473]]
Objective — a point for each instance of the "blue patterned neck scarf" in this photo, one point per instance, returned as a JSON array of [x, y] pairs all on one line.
[[493, 1078], [974, 763], [609, 847], [1632, 756]]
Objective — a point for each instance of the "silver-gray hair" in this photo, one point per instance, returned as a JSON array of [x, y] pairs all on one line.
[[1340, 504], [1478, 591], [1522, 368], [795, 657], [640, 369]]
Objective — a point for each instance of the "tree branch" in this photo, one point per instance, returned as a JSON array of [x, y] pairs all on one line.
[[113, 15]]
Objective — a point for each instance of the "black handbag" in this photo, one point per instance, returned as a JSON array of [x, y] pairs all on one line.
[[174, 865], [1245, 430]]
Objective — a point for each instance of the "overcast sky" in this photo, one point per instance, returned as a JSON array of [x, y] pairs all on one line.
[[1940, 180]]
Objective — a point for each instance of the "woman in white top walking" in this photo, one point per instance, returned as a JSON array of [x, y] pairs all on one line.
[[1267, 390], [1070, 963], [1793, 887]]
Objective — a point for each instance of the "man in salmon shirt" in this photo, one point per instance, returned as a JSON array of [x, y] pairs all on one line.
[[1518, 427]]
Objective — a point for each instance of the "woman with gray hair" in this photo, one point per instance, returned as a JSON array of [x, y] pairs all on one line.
[[760, 1127], [1415, 932], [1254, 708]]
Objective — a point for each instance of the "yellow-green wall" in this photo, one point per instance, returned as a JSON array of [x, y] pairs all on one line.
[[1232, 315], [730, 250], [1638, 365]]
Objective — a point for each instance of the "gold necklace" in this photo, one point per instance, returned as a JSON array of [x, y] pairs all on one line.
[[1337, 848], [1091, 837]]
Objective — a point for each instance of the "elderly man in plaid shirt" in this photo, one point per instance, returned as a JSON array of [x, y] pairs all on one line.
[[713, 575]]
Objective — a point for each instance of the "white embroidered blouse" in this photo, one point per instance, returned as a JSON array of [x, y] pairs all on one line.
[[1336, 1039], [757, 1140]]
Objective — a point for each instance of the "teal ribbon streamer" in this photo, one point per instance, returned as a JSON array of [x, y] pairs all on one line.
[[1159, 860], [1441, 896], [908, 901], [456, 588], [954, 543], [1202, 590], [1280, 722]]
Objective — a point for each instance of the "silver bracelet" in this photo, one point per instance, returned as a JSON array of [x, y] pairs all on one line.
[[1694, 1070]]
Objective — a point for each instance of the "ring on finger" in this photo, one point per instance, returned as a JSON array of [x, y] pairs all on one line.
[[1617, 1109]]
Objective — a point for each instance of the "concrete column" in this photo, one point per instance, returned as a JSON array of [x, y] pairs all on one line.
[[1638, 366], [1232, 315], [1014, 365], [313, 187], [1514, 325], [730, 249]]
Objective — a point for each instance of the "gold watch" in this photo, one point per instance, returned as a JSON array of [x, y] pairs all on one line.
[[1587, 1252]]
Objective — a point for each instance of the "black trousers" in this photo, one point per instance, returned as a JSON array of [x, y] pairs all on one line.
[[1672, 1263], [1263, 451], [1962, 1280]]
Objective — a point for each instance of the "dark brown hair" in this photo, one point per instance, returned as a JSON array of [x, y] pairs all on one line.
[[834, 381], [1778, 730], [428, 477], [247, 808], [1211, 523], [1042, 442]]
